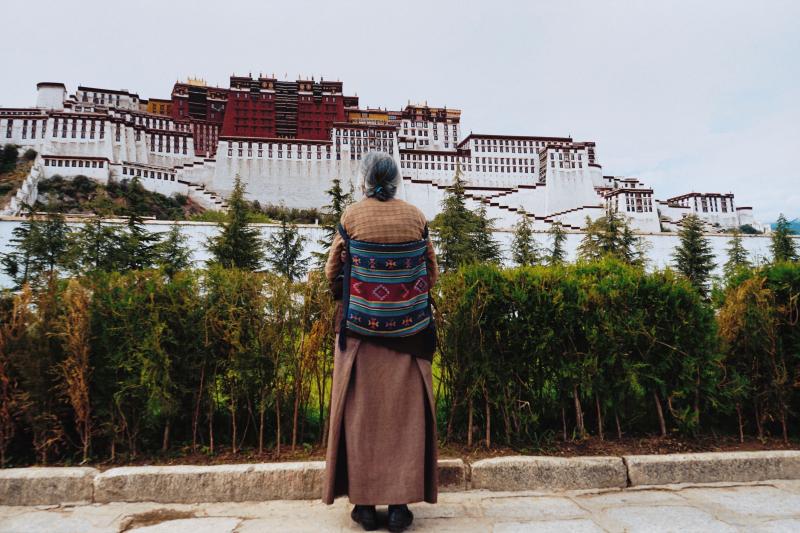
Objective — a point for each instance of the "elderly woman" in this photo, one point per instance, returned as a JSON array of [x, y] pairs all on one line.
[[382, 439]]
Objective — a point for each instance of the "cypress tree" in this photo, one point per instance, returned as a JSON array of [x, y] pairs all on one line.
[[284, 250], [524, 248], [610, 235], [173, 253], [737, 256], [137, 247], [41, 247], [94, 247], [782, 245], [339, 200], [557, 255], [238, 245], [454, 227], [693, 257], [19, 264], [486, 248]]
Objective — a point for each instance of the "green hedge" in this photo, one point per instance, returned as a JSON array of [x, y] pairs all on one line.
[[532, 353], [115, 365]]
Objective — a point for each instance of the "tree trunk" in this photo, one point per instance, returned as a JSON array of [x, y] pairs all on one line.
[[741, 426], [277, 427], [661, 423], [165, 438], [564, 423], [488, 421], [578, 412], [87, 440], [261, 428], [196, 414], [234, 434], [759, 426], [294, 415], [210, 423], [507, 427], [783, 424], [469, 424], [619, 427], [697, 399], [450, 420], [599, 417]]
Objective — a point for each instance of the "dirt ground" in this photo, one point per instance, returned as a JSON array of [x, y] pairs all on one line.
[[587, 447]]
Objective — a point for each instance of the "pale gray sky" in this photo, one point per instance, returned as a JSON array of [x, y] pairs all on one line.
[[685, 95]]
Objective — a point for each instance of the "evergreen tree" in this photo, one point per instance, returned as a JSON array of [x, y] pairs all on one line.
[[525, 250], [557, 255], [783, 246], [138, 247], [486, 248], [454, 227], [609, 235], [40, 248], [693, 256], [94, 246], [238, 245], [737, 256], [339, 200], [284, 250], [173, 253], [19, 263]]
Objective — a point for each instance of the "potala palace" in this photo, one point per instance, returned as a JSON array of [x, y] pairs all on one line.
[[288, 140]]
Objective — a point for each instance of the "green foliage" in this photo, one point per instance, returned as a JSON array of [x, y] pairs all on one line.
[[610, 236], [30, 154], [138, 248], [238, 244], [284, 251], [748, 229], [525, 251], [783, 247], [557, 255], [519, 348], [290, 214], [228, 359], [81, 194], [339, 200], [737, 257], [693, 257], [172, 252], [8, 158], [761, 338], [39, 247], [461, 235]]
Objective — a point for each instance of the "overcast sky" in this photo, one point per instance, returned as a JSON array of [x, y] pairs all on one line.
[[685, 95]]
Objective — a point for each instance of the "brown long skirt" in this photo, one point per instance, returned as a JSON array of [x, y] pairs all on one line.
[[382, 438]]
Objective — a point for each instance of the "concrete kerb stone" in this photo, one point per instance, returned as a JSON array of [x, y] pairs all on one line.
[[46, 485], [214, 483], [551, 473], [453, 475], [712, 467], [303, 480]]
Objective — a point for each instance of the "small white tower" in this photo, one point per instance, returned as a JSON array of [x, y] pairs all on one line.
[[50, 95]]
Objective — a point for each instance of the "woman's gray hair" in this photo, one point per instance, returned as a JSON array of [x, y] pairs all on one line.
[[380, 175]]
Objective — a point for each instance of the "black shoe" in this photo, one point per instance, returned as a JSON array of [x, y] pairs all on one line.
[[366, 516], [399, 518]]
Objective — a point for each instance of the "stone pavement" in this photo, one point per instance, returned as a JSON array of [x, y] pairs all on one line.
[[767, 506]]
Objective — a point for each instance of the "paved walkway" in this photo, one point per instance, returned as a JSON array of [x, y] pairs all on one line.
[[772, 506]]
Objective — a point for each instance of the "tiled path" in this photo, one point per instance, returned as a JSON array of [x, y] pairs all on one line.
[[772, 506]]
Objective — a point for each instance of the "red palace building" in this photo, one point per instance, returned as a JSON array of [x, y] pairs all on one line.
[[263, 107]]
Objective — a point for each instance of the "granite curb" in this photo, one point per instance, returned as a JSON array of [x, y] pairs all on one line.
[[303, 480]]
